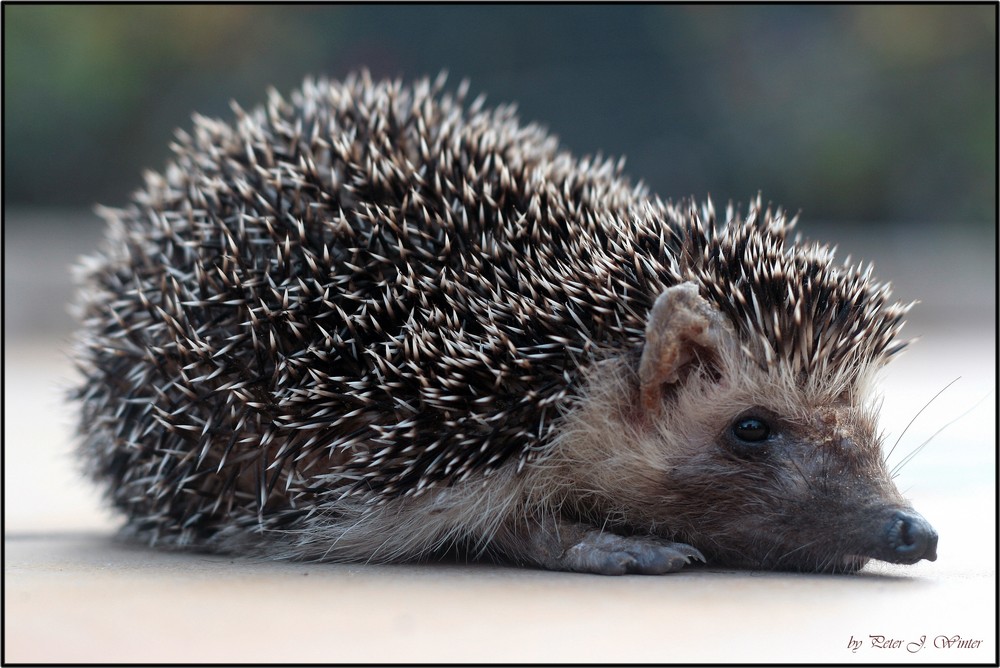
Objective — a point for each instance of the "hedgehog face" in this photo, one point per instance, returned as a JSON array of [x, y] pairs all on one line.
[[759, 469], [792, 492]]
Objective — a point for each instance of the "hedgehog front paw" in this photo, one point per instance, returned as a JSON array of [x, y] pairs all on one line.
[[610, 554]]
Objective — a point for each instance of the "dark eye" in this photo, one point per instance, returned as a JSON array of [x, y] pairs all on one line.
[[751, 430]]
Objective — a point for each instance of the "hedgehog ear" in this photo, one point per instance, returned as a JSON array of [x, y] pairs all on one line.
[[681, 328]]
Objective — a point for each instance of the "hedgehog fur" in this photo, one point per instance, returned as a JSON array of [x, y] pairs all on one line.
[[357, 324]]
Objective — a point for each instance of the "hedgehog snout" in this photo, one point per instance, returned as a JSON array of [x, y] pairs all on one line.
[[908, 538]]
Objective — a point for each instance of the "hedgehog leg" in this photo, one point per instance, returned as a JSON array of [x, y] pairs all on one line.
[[575, 547]]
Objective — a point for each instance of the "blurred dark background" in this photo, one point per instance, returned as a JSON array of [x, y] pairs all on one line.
[[850, 112], [859, 115]]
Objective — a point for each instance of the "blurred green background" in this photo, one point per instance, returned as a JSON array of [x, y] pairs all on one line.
[[850, 112]]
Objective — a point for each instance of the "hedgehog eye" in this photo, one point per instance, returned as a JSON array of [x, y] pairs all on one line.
[[751, 430]]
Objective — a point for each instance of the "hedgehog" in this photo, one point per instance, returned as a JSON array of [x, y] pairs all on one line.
[[379, 322]]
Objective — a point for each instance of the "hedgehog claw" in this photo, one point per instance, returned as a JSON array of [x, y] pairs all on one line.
[[611, 554]]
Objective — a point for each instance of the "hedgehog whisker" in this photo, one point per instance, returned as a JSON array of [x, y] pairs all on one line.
[[913, 419], [799, 548], [898, 467]]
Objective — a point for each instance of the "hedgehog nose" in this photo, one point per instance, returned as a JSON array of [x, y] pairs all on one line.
[[911, 538]]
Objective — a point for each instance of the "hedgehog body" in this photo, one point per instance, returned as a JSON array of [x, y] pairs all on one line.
[[375, 322]]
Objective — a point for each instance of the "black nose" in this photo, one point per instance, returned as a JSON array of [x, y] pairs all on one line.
[[911, 538]]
